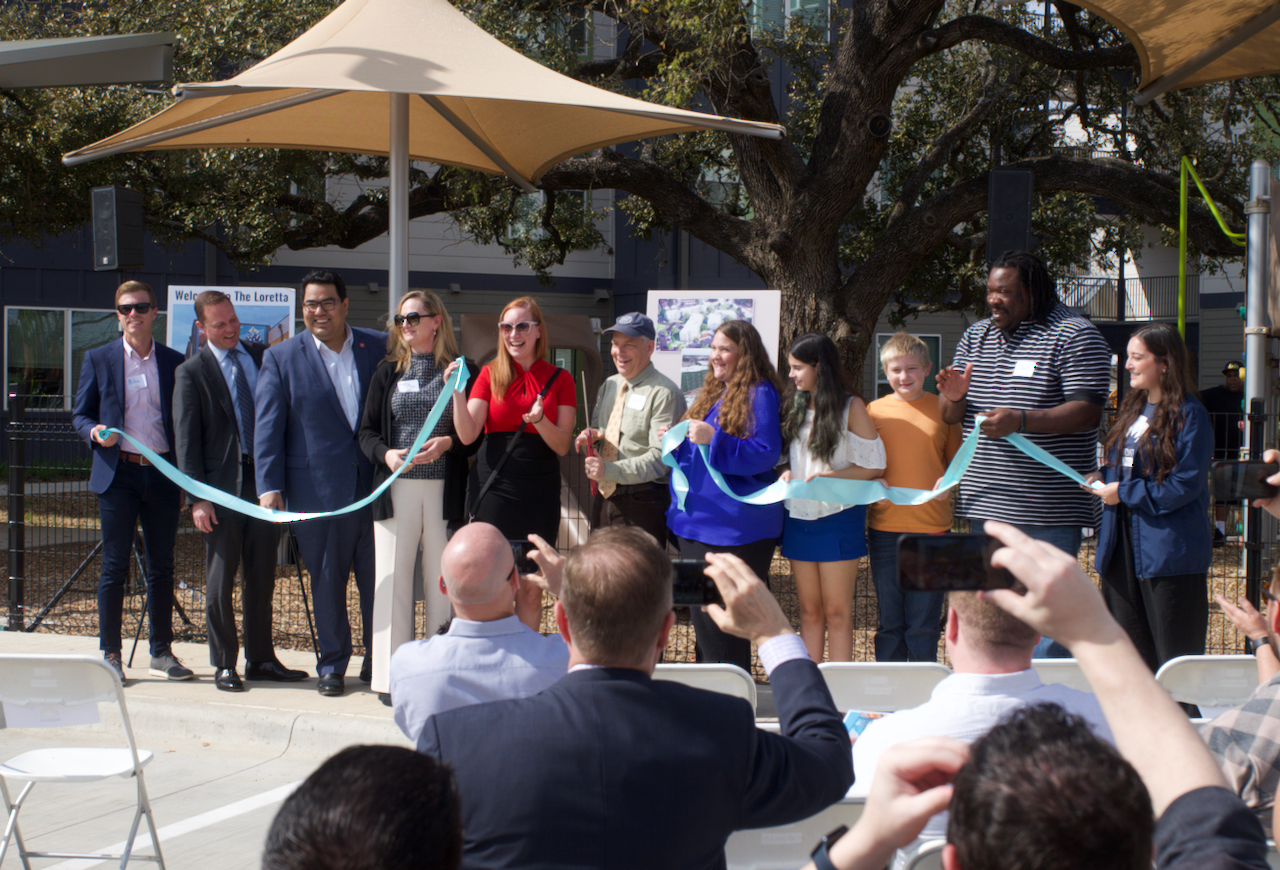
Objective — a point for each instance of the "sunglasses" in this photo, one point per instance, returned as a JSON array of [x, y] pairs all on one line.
[[141, 307], [412, 318], [1266, 593], [518, 328], [315, 305]]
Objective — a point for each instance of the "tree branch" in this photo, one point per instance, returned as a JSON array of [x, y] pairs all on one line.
[[980, 27]]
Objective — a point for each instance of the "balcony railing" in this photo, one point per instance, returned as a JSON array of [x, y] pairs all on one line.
[[1146, 298]]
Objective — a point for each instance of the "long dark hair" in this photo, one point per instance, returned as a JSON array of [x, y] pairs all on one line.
[[1159, 449], [829, 396], [1033, 275], [752, 368]]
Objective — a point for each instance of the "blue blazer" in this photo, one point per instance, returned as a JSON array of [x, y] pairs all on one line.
[[1169, 520], [100, 399], [303, 446], [610, 768]]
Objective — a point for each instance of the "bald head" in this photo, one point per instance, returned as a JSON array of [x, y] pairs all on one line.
[[476, 567]]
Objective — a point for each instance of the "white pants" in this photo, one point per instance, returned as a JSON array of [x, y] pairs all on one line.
[[418, 507]]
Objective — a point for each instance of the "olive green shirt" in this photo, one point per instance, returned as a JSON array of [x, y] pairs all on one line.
[[652, 402]]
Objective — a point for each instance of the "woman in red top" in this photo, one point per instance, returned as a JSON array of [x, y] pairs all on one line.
[[525, 495]]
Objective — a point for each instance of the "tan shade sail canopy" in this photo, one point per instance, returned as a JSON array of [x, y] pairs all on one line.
[[1183, 43], [476, 103]]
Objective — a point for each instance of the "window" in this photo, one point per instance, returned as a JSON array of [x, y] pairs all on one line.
[[44, 349]]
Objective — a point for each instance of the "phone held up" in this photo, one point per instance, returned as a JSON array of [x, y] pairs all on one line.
[[691, 587], [941, 563], [1243, 481], [521, 550]]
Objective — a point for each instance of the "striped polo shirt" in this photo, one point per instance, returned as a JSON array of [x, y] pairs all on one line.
[[1044, 363]]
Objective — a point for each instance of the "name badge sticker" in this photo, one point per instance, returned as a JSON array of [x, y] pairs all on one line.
[[137, 382], [1024, 368], [409, 386], [635, 401]]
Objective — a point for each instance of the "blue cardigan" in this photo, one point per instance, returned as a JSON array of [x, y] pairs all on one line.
[[710, 516], [1170, 520]]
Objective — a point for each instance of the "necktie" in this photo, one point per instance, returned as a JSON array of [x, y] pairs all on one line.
[[612, 434], [244, 402]]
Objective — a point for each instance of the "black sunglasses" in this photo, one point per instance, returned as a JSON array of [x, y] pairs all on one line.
[[1266, 593], [412, 318], [142, 308]]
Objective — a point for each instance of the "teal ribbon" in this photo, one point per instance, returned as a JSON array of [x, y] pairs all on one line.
[[852, 492], [204, 492]]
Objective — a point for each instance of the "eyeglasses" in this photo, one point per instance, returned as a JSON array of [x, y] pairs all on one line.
[[316, 304], [1266, 593], [412, 318], [519, 328], [141, 307]]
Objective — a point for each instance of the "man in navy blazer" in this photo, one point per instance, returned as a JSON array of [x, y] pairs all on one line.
[[128, 385], [309, 401], [609, 768]]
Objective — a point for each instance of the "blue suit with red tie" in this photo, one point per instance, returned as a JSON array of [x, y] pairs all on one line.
[[305, 448]]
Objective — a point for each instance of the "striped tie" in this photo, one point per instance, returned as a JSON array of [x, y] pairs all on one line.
[[244, 402]]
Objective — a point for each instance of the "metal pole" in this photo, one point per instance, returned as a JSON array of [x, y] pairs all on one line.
[[1255, 352], [398, 277], [1182, 251], [17, 512]]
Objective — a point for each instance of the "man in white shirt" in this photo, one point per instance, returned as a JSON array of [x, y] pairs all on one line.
[[990, 654], [488, 654]]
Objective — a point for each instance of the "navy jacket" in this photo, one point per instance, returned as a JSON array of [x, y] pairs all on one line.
[[302, 444], [1170, 520], [609, 768], [100, 399]]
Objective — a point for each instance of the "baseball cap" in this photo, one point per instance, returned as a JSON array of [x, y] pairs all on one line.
[[1233, 367], [634, 324]]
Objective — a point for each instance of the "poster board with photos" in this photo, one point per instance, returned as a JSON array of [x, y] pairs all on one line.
[[266, 314], [686, 321]]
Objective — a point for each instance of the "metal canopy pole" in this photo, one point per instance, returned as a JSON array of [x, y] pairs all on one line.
[[1255, 353], [398, 276]]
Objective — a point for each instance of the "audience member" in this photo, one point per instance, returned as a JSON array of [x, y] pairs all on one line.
[[128, 385], [369, 808], [611, 768], [1021, 801], [918, 447], [310, 396], [636, 406], [488, 654], [213, 420], [990, 653]]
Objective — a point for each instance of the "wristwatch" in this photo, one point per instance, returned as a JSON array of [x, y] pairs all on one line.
[[1257, 643], [819, 853]]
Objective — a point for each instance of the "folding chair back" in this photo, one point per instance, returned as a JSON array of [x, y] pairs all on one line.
[[927, 857], [881, 687], [788, 846], [45, 691], [724, 678], [1064, 671], [1209, 681]]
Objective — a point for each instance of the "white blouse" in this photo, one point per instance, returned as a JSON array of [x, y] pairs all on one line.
[[851, 450]]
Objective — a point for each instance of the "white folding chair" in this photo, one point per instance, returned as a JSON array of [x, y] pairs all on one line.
[[64, 691], [881, 687], [1209, 681], [1064, 671], [927, 857], [725, 678], [786, 847]]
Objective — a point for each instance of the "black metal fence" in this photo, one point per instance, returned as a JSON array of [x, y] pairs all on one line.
[[54, 541]]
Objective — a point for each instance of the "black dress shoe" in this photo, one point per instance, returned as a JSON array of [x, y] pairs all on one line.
[[385, 698], [273, 671], [331, 684], [366, 670], [227, 680]]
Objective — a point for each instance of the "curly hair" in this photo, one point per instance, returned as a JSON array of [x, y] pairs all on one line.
[[828, 398], [752, 368], [502, 370], [1159, 449]]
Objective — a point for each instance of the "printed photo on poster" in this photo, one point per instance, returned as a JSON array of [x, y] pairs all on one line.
[[683, 323], [266, 315]]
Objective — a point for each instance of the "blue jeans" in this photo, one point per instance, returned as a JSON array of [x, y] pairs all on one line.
[[1066, 539], [909, 621], [137, 493]]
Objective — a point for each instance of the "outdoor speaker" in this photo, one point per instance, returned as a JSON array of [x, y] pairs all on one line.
[[117, 229], [879, 126], [1008, 212]]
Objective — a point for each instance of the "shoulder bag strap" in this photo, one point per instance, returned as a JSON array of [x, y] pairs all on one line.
[[511, 445]]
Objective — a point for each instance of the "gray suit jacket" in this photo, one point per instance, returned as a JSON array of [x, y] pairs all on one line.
[[204, 420]]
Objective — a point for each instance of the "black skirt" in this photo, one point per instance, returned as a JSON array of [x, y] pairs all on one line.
[[525, 495]]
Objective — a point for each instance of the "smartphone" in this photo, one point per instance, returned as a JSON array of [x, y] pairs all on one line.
[[521, 550], [691, 587], [940, 563], [1243, 481]]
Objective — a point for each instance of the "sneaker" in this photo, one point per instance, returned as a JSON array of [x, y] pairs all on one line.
[[117, 664], [167, 665]]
